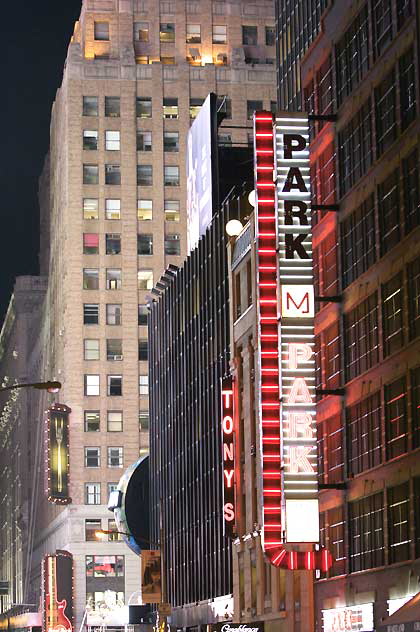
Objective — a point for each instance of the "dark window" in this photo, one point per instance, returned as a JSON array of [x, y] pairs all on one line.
[[90, 279], [112, 174], [251, 107], [143, 350], [172, 245], [389, 211], [167, 32], [144, 107], [170, 141], [144, 141], [366, 533], [358, 241], [352, 56], [404, 10], [336, 540], [398, 523], [407, 73], [270, 36], [92, 421], [413, 274], [324, 83], [144, 244], [249, 35], [361, 341], [416, 486], [90, 243], [327, 263], [415, 405], [144, 175], [141, 31], [114, 349], [171, 176], [410, 167], [392, 314], [90, 174], [90, 139], [113, 243], [382, 24], [90, 314], [385, 113], [195, 106], [364, 434], [396, 417], [144, 419], [355, 148], [112, 106], [335, 456], [91, 527], [114, 385], [101, 30], [90, 106], [320, 441], [332, 356], [142, 314], [224, 106], [92, 457], [326, 165]]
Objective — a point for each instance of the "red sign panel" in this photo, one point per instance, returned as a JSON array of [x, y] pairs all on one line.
[[58, 592]]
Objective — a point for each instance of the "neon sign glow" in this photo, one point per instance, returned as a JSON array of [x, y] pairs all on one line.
[[228, 427]]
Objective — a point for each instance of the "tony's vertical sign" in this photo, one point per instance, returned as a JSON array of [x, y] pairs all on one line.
[[228, 455]]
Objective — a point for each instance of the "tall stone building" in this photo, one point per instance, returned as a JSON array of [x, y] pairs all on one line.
[[113, 197]]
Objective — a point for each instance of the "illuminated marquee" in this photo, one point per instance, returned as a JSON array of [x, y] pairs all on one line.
[[228, 455], [350, 619], [57, 422], [57, 584]]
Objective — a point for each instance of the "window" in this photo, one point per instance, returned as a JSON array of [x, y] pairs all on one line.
[[249, 35], [112, 140], [404, 10], [144, 210], [90, 174], [90, 106], [167, 60], [92, 493], [92, 421], [90, 314], [114, 536], [142, 314], [91, 385], [172, 245], [112, 244], [90, 208], [144, 175], [364, 434], [407, 74], [167, 32], [144, 141], [114, 421], [90, 279], [361, 341], [112, 209], [90, 243], [141, 31], [251, 107], [225, 140], [91, 349], [366, 533], [101, 30], [336, 540], [193, 34], [413, 274], [114, 349], [113, 314], [143, 384], [386, 113], [170, 141], [411, 191], [355, 148], [392, 314], [104, 566], [90, 139], [327, 260], [112, 174], [112, 487], [92, 457], [219, 34], [382, 25], [144, 419], [143, 350], [270, 35], [195, 106], [144, 107], [144, 244], [113, 279], [91, 527], [112, 106], [358, 241], [115, 457], [399, 523], [114, 385], [415, 405], [352, 55], [396, 418], [171, 210], [145, 279], [335, 461], [170, 108], [389, 207], [171, 176], [332, 356]]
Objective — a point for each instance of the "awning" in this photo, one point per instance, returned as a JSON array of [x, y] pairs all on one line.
[[406, 619]]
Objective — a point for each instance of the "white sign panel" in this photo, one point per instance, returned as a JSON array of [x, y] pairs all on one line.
[[350, 619]]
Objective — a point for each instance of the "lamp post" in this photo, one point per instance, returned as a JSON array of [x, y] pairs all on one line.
[[50, 386]]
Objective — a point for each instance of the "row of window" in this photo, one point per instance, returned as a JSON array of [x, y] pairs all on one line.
[[114, 349], [172, 244], [113, 314], [144, 140], [104, 566], [114, 420], [144, 175], [114, 385], [93, 525], [103, 600], [93, 492], [371, 544], [171, 208], [113, 278], [115, 457]]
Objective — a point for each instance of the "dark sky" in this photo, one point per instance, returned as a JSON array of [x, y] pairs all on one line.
[[35, 36]]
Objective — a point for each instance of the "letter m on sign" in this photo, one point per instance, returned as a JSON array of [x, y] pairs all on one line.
[[297, 301]]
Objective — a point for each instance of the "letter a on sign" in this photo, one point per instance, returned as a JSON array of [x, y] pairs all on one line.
[[297, 301]]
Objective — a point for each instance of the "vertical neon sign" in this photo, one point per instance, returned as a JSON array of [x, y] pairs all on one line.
[[228, 455]]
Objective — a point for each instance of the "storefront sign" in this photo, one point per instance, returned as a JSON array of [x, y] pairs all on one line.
[[57, 420], [58, 592], [238, 627], [228, 449], [349, 619]]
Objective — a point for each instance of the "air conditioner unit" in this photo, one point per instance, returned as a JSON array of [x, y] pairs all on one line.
[[117, 357]]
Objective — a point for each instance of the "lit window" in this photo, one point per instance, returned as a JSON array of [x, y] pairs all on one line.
[[144, 107], [114, 385], [170, 108], [91, 384], [90, 174], [144, 141], [90, 139], [251, 107], [142, 314], [144, 244], [142, 59], [145, 279], [91, 349], [141, 31], [171, 176], [114, 536], [114, 349], [172, 245], [249, 35], [143, 350], [144, 175], [113, 314], [167, 32], [92, 421], [193, 34], [195, 106], [172, 210], [91, 279], [115, 457], [104, 566], [92, 525], [113, 279], [167, 60], [90, 106], [112, 106], [219, 34], [143, 384], [90, 314], [90, 243], [112, 174], [114, 421], [144, 210], [92, 457], [101, 31], [112, 209], [144, 419], [112, 243], [171, 141], [112, 140], [90, 208], [92, 493]]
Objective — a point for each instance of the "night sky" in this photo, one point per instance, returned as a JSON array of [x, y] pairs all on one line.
[[35, 35]]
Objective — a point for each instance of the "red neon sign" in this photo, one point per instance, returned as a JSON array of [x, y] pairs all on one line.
[[228, 453]]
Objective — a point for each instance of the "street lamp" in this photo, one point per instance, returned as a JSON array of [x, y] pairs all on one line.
[[50, 386]]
